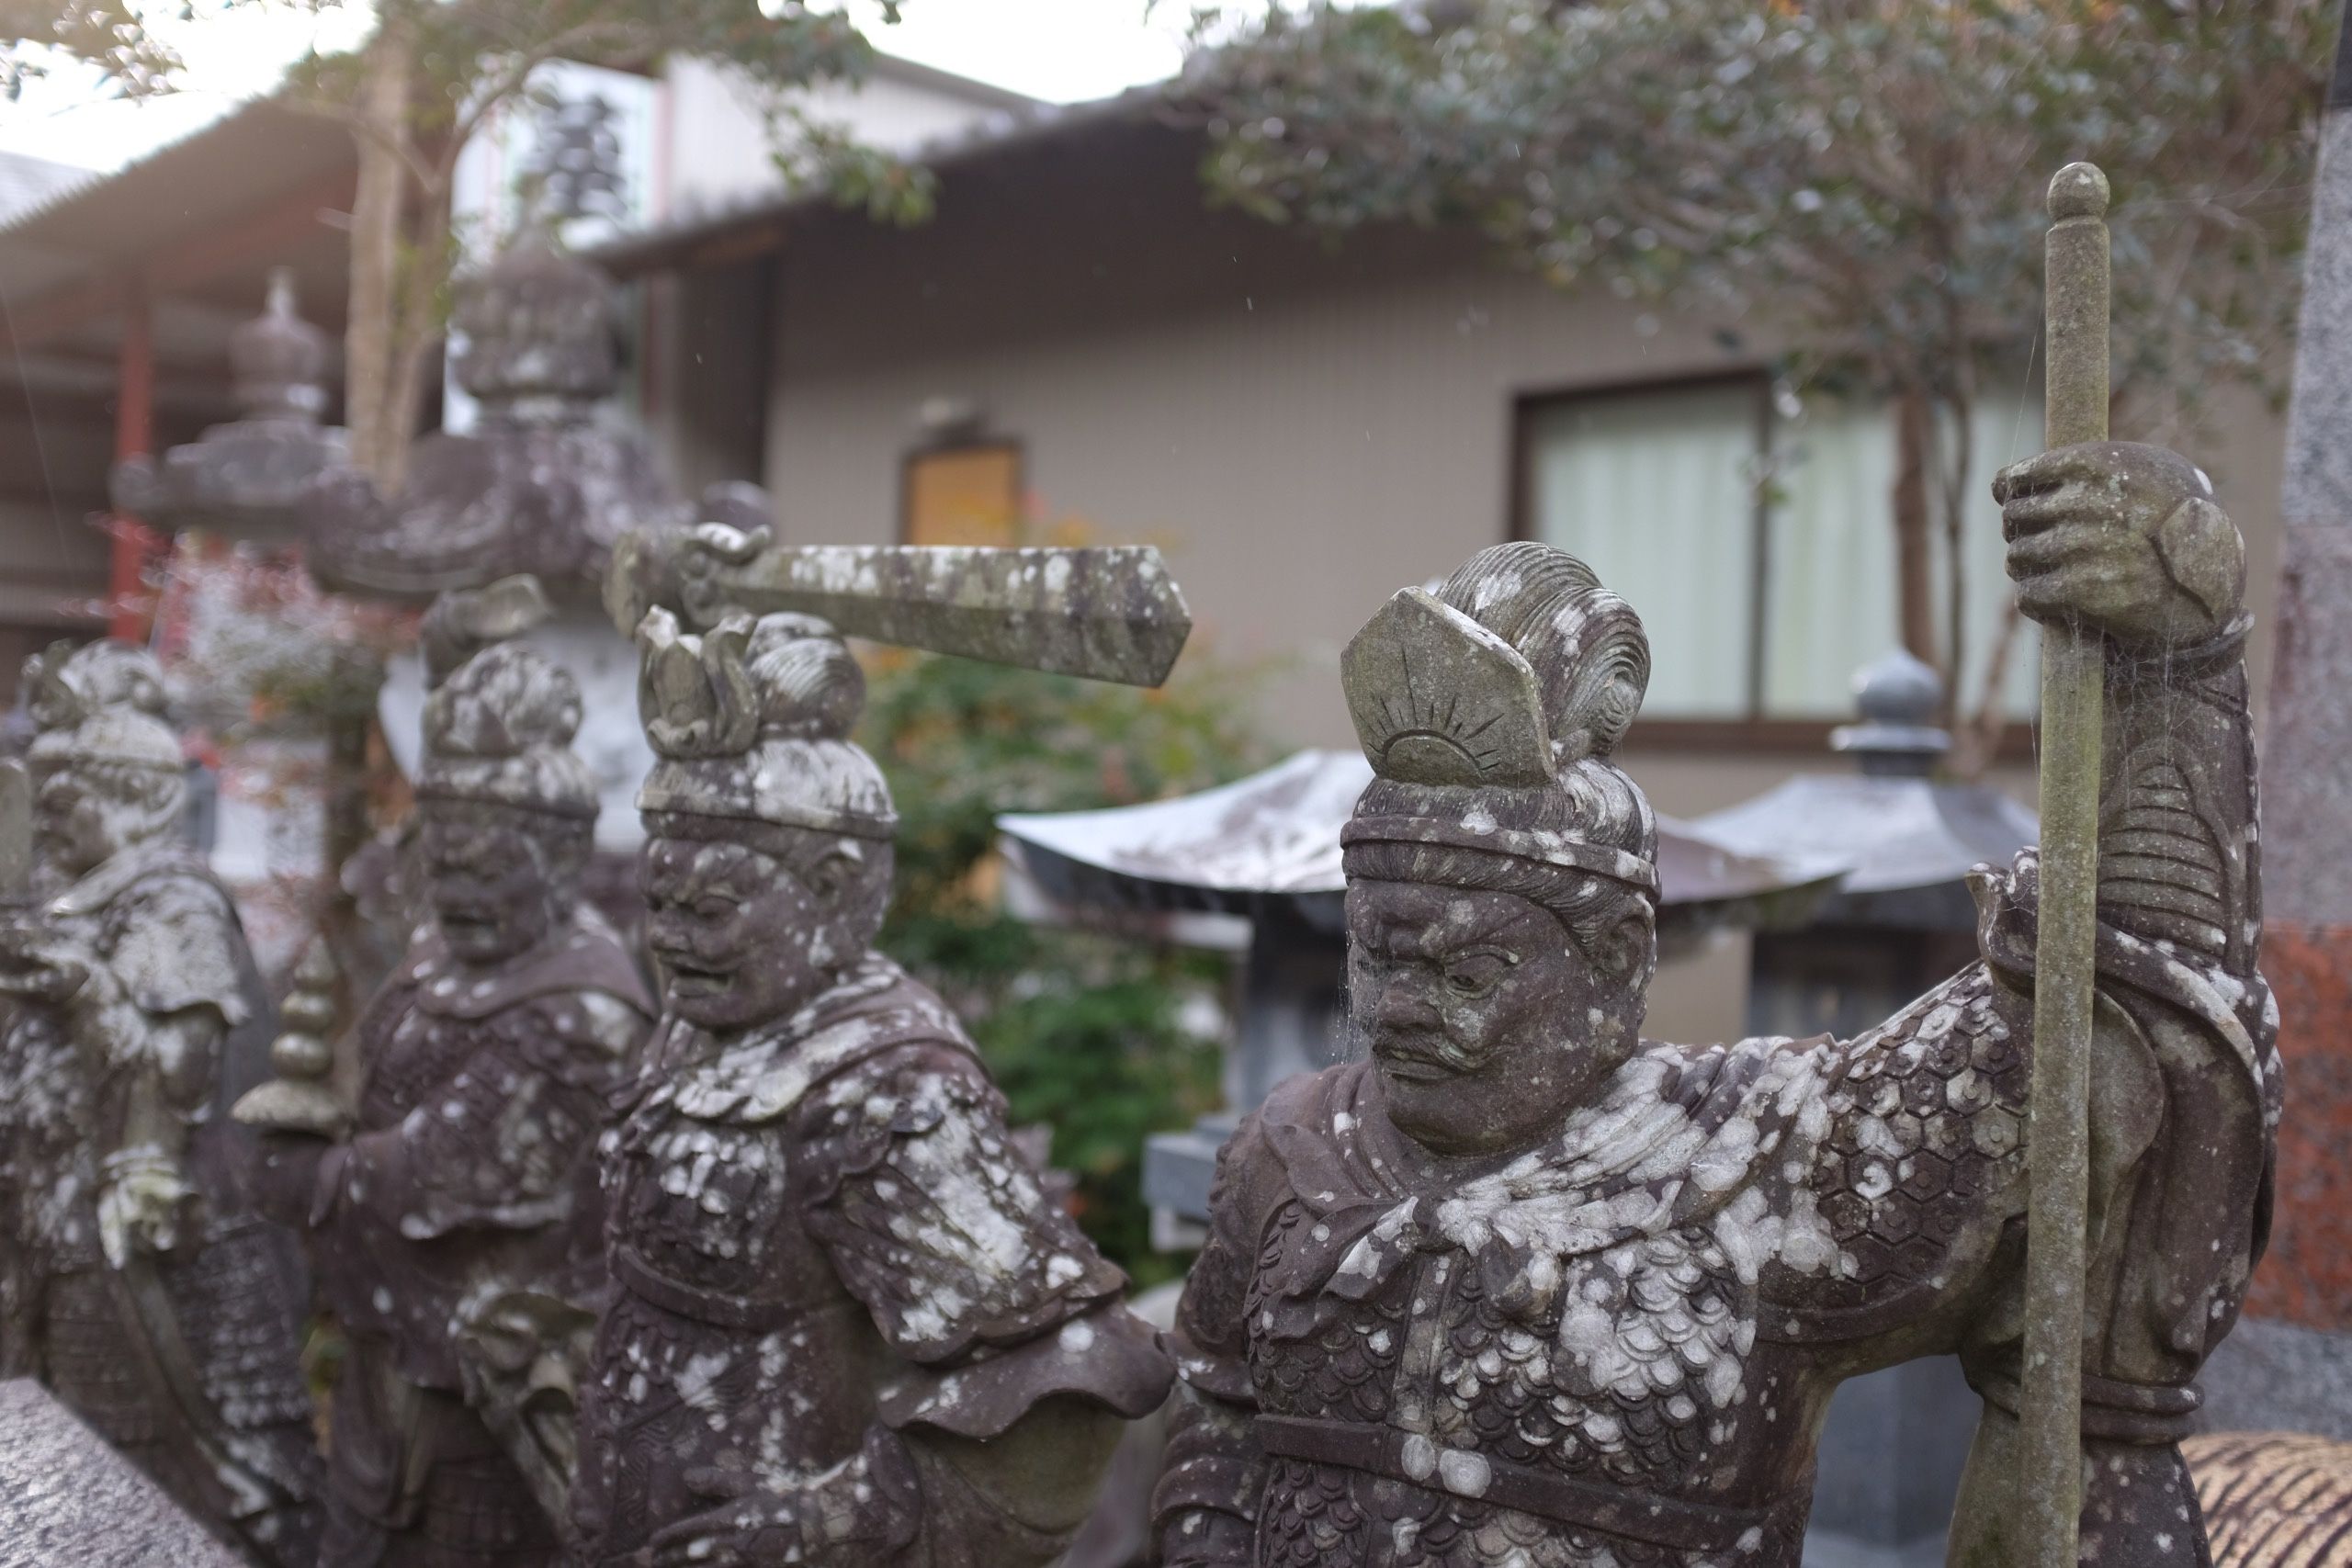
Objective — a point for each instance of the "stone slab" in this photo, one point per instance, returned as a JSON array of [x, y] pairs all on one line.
[[2319, 460], [65, 1497], [1893, 1446]]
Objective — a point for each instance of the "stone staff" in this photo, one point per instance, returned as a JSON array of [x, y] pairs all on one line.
[[2072, 666]]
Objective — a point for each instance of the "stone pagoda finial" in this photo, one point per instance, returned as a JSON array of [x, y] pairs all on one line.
[[1898, 697], [539, 333], [277, 361], [247, 479]]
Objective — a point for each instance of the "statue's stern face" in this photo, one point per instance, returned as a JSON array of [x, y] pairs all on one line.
[[492, 882], [1488, 1023], [86, 814], [741, 938]]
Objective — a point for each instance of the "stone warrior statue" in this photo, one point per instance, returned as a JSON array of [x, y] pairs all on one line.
[[145, 1289], [1523, 1287], [848, 1327], [464, 1190]]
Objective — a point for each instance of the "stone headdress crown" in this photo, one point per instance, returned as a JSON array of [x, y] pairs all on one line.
[[753, 720], [1519, 665], [103, 702], [1521, 674], [498, 731]]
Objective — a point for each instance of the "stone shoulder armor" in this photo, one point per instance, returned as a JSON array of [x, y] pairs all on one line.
[[168, 930], [937, 1223], [1918, 1163]]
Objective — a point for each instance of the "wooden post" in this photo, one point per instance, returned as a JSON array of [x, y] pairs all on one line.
[[134, 436], [2049, 1459]]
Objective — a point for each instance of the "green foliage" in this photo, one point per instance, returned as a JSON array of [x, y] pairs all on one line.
[[1085, 1031], [1861, 179], [1868, 172]]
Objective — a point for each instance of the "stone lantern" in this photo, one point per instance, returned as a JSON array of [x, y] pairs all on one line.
[[245, 479], [1901, 919], [545, 483]]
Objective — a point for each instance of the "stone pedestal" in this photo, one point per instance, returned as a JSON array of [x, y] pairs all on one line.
[[65, 1497]]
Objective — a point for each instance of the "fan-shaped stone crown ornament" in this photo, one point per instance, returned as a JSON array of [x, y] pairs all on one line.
[[751, 721], [498, 731], [1520, 664], [1488, 710]]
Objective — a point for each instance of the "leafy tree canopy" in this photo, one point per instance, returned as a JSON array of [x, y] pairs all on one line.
[[1871, 170], [1864, 178]]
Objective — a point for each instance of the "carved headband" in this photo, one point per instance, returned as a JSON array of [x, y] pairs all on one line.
[[1544, 849]]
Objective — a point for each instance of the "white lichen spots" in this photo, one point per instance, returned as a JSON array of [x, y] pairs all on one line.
[[1464, 1473]]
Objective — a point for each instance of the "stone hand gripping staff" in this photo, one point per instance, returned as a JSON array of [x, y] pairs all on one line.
[[1522, 1287]]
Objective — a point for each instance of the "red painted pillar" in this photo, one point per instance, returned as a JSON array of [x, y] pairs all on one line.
[[134, 436]]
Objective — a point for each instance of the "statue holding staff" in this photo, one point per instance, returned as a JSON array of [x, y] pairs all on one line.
[[1521, 1287]]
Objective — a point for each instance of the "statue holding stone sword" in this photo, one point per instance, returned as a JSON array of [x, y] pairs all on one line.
[[1522, 1287], [849, 1323]]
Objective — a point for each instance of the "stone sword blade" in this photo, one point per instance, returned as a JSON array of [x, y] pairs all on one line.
[[1108, 613]]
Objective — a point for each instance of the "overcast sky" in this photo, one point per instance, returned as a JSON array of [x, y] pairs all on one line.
[[1062, 51]]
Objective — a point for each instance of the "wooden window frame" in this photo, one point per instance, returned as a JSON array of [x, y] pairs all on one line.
[[1755, 730], [950, 446]]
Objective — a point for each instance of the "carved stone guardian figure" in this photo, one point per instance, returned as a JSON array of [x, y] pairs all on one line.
[[848, 1325], [1521, 1287], [143, 1286], [465, 1183]]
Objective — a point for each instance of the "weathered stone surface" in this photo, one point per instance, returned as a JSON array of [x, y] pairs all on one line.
[[850, 1321], [137, 1279], [456, 1225], [2271, 1375], [247, 479], [65, 1497], [1520, 1286], [1110, 613], [545, 484], [2307, 795], [2306, 1276]]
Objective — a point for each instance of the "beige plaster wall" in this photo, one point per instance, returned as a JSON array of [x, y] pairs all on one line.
[[1302, 430]]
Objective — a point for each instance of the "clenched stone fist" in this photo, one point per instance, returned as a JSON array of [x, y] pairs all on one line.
[[2125, 539]]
